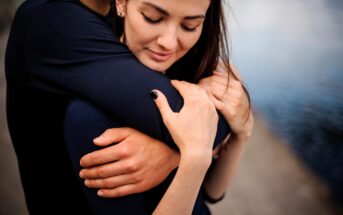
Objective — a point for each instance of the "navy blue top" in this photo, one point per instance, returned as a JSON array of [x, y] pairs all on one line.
[[59, 50]]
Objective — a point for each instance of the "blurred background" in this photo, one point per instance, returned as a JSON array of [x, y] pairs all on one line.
[[290, 54]]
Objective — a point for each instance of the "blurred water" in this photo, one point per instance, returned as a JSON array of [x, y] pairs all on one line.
[[290, 54]]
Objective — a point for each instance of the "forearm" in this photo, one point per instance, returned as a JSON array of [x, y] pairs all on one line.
[[195, 145], [183, 191], [88, 62], [223, 171]]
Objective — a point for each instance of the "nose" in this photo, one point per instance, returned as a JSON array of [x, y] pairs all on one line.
[[168, 39]]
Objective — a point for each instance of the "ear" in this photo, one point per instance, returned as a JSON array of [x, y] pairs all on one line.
[[121, 7]]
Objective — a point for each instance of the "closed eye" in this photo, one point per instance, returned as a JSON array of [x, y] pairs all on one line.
[[188, 28], [151, 20]]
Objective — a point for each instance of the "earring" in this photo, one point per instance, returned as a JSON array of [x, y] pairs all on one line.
[[119, 14]]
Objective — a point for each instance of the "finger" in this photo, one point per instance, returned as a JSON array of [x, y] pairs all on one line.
[[103, 156], [190, 92], [230, 112], [217, 90], [112, 135], [162, 104], [217, 103], [183, 88], [106, 170], [110, 183], [119, 191]]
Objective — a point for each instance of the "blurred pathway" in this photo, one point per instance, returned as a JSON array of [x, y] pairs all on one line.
[[271, 181]]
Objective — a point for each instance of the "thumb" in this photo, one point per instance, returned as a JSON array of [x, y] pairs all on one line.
[[162, 104], [112, 135]]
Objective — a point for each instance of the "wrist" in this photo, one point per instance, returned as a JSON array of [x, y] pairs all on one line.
[[175, 159], [196, 159], [240, 137]]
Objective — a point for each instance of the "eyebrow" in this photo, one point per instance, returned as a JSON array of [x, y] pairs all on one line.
[[163, 11]]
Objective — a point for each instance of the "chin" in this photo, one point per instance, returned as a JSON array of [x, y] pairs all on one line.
[[158, 67]]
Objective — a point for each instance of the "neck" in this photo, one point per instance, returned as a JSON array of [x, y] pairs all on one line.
[[102, 7]]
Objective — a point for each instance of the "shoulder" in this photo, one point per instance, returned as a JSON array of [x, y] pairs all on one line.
[[67, 16], [64, 27]]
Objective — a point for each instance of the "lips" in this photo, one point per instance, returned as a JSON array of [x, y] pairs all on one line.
[[160, 56]]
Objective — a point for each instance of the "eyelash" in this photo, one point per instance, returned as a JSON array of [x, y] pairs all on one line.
[[189, 29], [151, 21]]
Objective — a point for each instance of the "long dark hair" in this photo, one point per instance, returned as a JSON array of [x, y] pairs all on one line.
[[202, 59]]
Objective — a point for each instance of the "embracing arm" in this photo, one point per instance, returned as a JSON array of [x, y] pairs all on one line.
[[77, 55], [193, 130], [232, 101]]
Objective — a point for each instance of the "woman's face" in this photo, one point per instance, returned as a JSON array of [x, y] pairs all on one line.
[[160, 32]]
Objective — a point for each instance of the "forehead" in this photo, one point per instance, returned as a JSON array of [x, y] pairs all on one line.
[[185, 7]]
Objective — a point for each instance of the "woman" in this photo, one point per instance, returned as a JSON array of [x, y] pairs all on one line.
[[59, 50], [159, 51]]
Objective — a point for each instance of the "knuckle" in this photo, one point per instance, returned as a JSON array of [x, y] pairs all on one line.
[[125, 151], [101, 172], [136, 178], [131, 167], [107, 183], [119, 192], [95, 158]]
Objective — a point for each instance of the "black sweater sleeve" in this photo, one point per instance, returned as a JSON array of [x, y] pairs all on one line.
[[70, 50]]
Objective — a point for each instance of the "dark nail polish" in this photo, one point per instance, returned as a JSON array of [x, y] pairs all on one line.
[[153, 94]]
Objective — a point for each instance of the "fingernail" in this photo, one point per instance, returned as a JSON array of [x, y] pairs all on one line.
[[82, 174], [98, 139], [100, 193], [86, 182], [153, 94]]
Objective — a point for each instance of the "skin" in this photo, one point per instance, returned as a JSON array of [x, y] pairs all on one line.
[[169, 37], [130, 170], [199, 114], [166, 29]]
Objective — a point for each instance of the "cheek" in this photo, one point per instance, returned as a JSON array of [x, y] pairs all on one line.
[[136, 34], [188, 40]]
